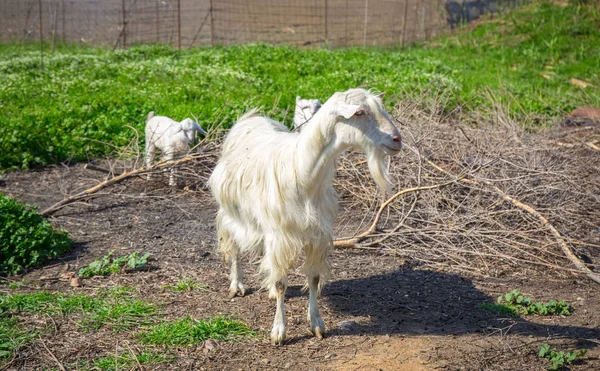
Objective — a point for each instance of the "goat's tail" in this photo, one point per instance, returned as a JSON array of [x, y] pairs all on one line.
[[253, 112], [150, 115]]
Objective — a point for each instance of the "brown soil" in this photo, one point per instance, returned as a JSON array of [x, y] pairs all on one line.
[[381, 312]]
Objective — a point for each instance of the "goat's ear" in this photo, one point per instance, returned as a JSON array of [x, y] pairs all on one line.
[[381, 95], [346, 110], [199, 129]]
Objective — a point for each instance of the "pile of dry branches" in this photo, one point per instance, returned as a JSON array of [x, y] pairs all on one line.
[[477, 195], [489, 199]]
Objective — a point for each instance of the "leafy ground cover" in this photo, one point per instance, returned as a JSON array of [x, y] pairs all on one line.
[[515, 304], [87, 102], [26, 238]]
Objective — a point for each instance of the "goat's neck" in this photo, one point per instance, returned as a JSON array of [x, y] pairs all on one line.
[[318, 148]]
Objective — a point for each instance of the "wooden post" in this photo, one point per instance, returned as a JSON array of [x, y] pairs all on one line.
[[54, 27], [403, 40], [212, 24], [366, 23], [178, 24], [157, 23], [326, 21], [346, 23], [423, 12], [41, 36], [124, 31], [62, 6]]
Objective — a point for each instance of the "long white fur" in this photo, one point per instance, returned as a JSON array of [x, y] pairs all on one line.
[[172, 138], [275, 194], [305, 110]]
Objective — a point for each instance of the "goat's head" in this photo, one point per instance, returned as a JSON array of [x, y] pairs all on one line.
[[189, 127], [363, 123], [308, 106]]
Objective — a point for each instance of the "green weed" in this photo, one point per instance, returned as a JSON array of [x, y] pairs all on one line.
[[514, 303], [116, 309], [186, 284], [187, 331], [26, 239], [560, 360], [108, 265], [13, 336], [85, 97], [127, 361]]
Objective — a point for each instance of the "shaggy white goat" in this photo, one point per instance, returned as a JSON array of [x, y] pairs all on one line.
[[275, 193], [305, 110], [172, 138]]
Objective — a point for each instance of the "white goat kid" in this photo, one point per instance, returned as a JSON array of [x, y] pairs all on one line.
[[275, 193], [172, 138], [305, 110]]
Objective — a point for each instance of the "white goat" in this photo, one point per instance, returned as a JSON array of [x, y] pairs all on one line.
[[305, 110], [172, 138], [275, 193]]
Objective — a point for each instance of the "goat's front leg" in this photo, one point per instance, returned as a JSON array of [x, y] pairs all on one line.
[[279, 323], [236, 274], [317, 326], [169, 156], [150, 149]]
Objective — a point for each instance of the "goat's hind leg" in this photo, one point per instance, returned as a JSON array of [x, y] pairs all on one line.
[[317, 325], [231, 252]]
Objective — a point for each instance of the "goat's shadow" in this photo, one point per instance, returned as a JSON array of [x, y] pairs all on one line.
[[418, 302]]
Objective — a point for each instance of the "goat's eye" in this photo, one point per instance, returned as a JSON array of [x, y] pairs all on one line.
[[360, 112]]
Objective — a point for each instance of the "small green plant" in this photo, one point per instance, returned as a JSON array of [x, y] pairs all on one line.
[[26, 238], [186, 284], [187, 331], [514, 303], [127, 361], [560, 359], [108, 265], [115, 308], [13, 337]]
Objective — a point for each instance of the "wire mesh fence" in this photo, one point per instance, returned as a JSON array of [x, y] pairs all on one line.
[[187, 23]]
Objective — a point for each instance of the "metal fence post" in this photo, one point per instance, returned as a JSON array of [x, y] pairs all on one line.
[[212, 24], [41, 36], [326, 21], [124, 11], [366, 23], [178, 24]]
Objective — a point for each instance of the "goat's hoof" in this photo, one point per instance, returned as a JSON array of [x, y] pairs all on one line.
[[239, 289], [278, 334], [318, 328], [273, 293]]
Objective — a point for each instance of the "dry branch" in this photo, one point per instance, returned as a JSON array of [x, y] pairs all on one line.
[[373, 228], [523, 206], [126, 175]]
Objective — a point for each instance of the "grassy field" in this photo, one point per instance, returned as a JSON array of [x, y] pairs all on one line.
[[88, 101]]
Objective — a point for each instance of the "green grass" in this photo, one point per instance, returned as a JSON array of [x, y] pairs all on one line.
[[188, 331], [514, 303], [83, 102], [186, 284], [108, 264], [127, 361], [116, 309], [13, 336]]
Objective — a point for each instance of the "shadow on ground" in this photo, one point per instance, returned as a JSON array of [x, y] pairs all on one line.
[[416, 302]]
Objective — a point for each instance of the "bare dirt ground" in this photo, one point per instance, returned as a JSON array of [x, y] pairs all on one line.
[[382, 312]]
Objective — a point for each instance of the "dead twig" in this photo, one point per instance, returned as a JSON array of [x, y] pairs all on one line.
[[90, 191]]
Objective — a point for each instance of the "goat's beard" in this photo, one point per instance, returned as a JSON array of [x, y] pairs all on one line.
[[376, 162]]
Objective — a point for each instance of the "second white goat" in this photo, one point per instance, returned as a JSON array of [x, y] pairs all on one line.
[[305, 110], [172, 138]]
